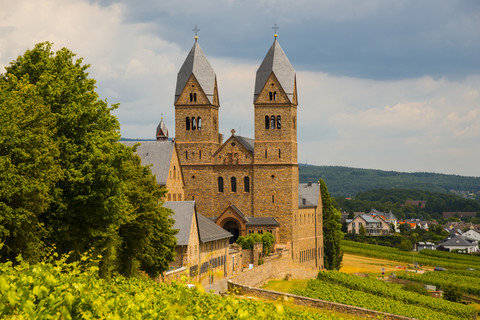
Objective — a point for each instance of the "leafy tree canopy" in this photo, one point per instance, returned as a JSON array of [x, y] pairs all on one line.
[[71, 185]]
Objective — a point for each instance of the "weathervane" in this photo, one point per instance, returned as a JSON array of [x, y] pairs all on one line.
[[196, 32], [275, 28]]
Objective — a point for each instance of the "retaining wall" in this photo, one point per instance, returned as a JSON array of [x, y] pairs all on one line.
[[305, 301]]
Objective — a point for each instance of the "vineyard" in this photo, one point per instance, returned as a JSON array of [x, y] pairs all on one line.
[[432, 258], [467, 281], [382, 296], [59, 290]]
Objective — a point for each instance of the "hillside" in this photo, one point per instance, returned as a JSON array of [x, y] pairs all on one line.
[[345, 181]]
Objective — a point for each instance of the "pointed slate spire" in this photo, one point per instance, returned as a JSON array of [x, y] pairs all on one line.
[[197, 64], [162, 131], [276, 61]]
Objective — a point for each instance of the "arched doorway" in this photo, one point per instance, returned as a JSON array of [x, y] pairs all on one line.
[[232, 227]]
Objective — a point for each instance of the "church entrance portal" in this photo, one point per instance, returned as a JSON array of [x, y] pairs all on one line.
[[232, 227]]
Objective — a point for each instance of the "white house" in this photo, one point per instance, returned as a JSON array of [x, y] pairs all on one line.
[[471, 235], [459, 243]]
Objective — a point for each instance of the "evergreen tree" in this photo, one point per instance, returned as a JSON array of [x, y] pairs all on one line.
[[332, 234]]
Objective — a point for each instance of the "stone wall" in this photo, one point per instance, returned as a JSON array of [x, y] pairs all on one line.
[[276, 266], [309, 302]]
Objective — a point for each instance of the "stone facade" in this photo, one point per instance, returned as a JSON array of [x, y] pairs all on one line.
[[259, 177], [175, 184]]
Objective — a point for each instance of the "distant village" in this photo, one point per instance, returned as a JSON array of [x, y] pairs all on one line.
[[460, 236]]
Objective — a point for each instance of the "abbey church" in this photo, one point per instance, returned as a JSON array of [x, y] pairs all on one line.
[[242, 184]]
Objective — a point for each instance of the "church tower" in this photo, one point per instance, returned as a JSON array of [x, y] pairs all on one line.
[[196, 124], [276, 164]]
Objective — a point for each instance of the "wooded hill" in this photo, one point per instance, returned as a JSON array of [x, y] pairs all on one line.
[[345, 181]]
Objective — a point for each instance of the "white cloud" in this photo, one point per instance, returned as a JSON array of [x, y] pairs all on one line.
[[417, 124]]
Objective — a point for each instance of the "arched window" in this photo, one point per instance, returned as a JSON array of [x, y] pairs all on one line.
[[174, 172], [200, 154], [191, 97], [233, 184], [265, 153], [187, 123], [271, 95], [186, 154], [267, 122], [272, 122], [195, 97], [274, 95], [279, 122], [199, 123], [279, 153], [194, 123], [246, 184], [220, 184]]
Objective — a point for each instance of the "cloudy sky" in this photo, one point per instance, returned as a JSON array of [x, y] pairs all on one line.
[[383, 84]]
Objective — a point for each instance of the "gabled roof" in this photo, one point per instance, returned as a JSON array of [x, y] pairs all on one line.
[[386, 215], [368, 218], [239, 212], [183, 213], [262, 221], [197, 64], [158, 154], [248, 143], [276, 61], [308, 192], [457, 241], [209, 231]]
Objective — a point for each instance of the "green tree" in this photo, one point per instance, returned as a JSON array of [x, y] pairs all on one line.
[[362, 231], [332, 234], [267, 239], [451, 292], [28, 169], [103, 192]]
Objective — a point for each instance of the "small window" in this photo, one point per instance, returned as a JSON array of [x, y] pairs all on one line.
[[279, 154], [199, 123], [220, 184], [233, 184], [187, 123], [246, 184], [274, 95], [271, 95], [279, 122], [273, 199], [200, 154], [272, 122], [191, 97], [265, 153], [194, 123], [267, 122], [195, 97], [186, 154]]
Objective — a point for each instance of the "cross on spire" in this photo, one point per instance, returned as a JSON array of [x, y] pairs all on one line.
[[275, 28], [196, 32]]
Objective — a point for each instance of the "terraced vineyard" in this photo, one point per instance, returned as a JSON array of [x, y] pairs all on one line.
[[446, 260], [467, 281], [59, 290], [381, 296]]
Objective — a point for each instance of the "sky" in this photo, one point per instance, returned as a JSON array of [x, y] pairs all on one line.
[[382, 84]]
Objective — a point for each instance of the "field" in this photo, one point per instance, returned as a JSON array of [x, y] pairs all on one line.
[[448, 260], [371, 293]]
